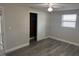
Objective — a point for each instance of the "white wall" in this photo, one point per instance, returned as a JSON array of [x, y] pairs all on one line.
[[42, 25], [17, 22], [68, 34]]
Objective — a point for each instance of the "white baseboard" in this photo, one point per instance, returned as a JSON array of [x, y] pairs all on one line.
[[38, 39], [63, 40], [17, 47]]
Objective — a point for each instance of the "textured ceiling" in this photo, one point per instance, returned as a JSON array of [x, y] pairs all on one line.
[[56, 6]]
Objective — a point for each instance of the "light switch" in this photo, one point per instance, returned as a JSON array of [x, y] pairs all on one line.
[[1, 47], [0, 42]]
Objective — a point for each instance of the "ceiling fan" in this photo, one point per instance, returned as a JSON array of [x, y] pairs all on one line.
[[52, 6]]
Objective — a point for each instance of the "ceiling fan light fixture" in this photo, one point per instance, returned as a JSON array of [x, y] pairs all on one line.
[[50, 9]]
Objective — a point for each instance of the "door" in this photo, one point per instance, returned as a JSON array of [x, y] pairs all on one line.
[[1, 41], [33, 27]]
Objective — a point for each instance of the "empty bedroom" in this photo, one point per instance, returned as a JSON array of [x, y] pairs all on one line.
[[39, 29]]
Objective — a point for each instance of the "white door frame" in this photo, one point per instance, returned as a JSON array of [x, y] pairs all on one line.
[[2, 27]]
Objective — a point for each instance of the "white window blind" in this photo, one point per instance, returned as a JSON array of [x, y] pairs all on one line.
[[69, 20]]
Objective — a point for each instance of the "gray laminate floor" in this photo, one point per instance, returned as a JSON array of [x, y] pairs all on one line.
[[47, 47]]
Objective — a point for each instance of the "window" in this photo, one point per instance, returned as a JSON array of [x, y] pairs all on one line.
[[69, 20]]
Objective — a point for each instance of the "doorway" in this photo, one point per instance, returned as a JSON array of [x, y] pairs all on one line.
[[33, 28]]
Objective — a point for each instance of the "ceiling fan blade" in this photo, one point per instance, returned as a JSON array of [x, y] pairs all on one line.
[[56, 6]]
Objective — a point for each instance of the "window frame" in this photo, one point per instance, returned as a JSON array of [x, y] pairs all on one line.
[[69, 21]]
